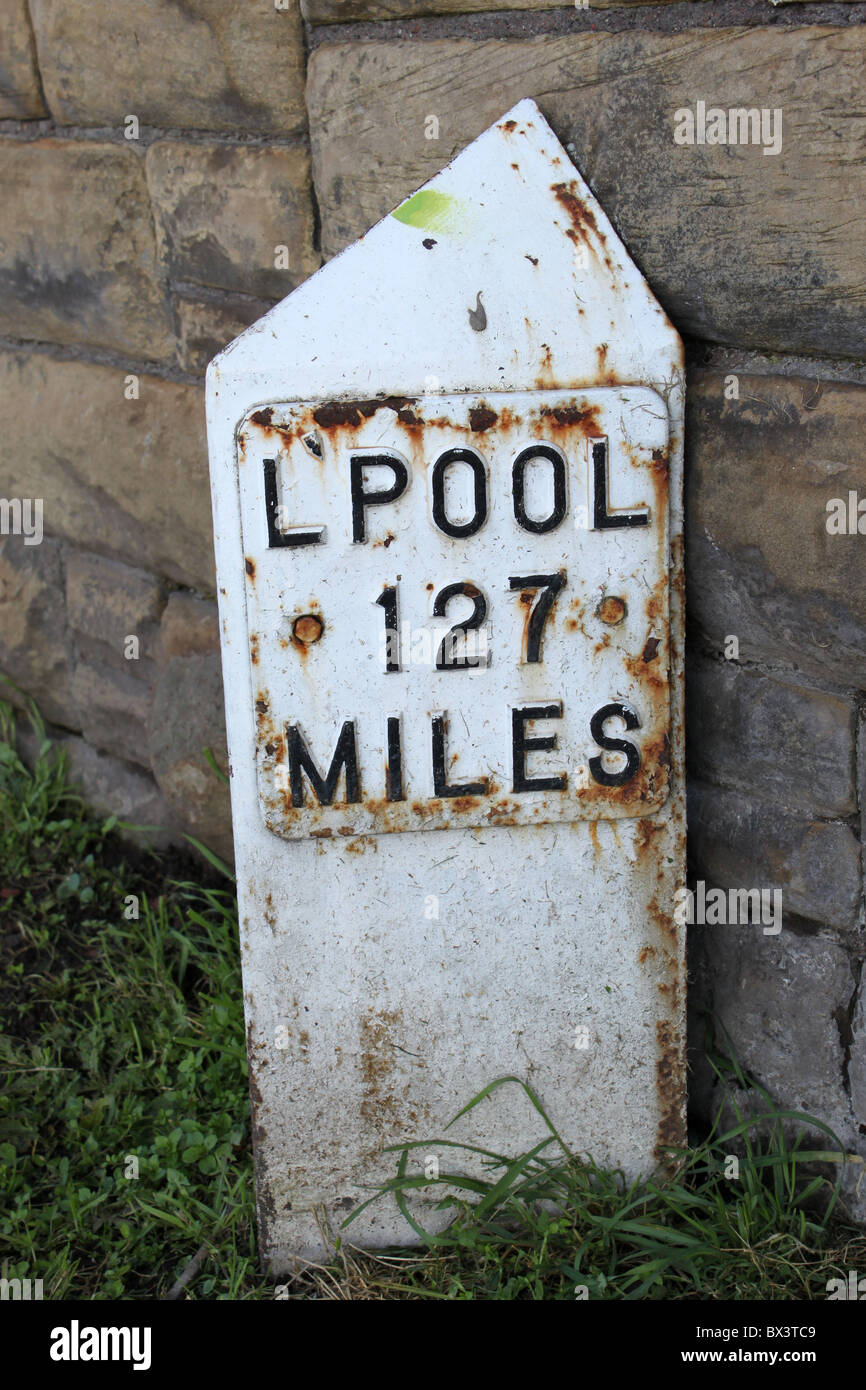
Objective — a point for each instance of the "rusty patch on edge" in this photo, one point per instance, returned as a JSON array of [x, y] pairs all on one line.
[[337, 413], [669, 1069]]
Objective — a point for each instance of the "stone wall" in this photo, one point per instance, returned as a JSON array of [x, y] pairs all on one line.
[[169, 170]]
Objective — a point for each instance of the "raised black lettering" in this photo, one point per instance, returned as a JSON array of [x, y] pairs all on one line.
[[541, 743], [394, 765], [441, 785], [361, 499], [547, 587], [388, 601], [277, 538], [602, 519], [479, 475], [614, 745], [474, 652], [301, 761], [518, 488]]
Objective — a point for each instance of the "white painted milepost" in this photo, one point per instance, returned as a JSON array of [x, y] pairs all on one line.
[[447, 480]]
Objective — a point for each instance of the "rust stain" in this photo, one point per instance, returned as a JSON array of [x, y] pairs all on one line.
[[612, 610], [582, 217], [649, 676], [671, 1132], [650, 651], [337, 413], [378, 1064], [566, 417], [664, 921], [308, 628], [250, 567], [361, 844], [647, 832], [259, 1135], [481, 417]]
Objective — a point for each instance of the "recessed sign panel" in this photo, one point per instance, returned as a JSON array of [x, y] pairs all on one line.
[[458, 609]]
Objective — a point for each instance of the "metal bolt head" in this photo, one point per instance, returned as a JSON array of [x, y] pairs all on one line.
[[308, 628], [612, 610]]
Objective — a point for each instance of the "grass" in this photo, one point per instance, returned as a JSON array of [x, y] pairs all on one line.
[[125, 1161]]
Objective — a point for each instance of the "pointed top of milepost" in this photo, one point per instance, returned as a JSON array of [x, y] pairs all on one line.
[[501, 273]]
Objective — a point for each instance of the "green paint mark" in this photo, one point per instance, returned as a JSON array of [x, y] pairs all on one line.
[[433, 212]]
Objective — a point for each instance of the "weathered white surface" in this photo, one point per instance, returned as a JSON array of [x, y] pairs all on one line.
[[371, 1019]]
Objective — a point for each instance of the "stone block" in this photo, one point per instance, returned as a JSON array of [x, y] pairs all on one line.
[[758, 986], [113, 704], [36, 651], [20, 92], [738, 841], [121, 477], [111, 787], [188, 717], [206, 326], [190, 627], [109, 602], [202, 64], [761, 564], [235, 217], [78, 262], [771, 738]]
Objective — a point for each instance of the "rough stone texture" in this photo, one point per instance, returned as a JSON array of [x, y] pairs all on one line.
[[113, 703], [108, 602], [20, 94], [739, 247], [788, 745], [187, 717], [78, 259], [200, 64], [126, 478], [857, 1061], [222, 211], [758, 987], [738, 841], [111, 786], [190, 627], [760, 563], [205, 327], [339, 11], [35, 646]]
